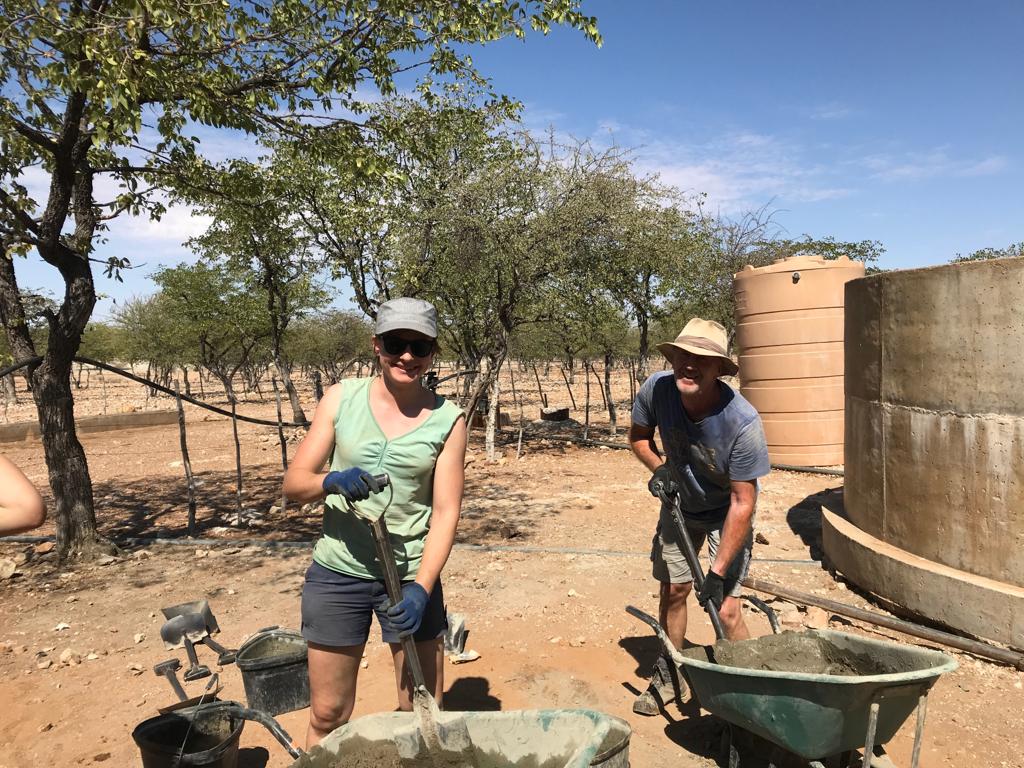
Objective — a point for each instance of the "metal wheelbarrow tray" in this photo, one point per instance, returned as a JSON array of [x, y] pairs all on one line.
[[820, 715]]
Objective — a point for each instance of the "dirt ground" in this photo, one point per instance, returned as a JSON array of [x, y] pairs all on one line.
[[553, 545]]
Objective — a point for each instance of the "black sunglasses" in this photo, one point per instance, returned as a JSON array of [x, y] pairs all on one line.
[[396, 345]]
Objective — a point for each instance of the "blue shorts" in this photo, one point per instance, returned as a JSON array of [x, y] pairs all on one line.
[[337, 609]]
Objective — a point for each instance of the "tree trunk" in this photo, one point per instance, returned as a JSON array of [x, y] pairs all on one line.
[[10, 389], [284, 371], [641, 363], [492, 412], [612, 423], [75, 517]]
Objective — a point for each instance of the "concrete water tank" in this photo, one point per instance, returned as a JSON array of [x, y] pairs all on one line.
[[789, 331], [934, 491]]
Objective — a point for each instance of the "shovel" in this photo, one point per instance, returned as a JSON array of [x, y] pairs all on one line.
[[448, 743]]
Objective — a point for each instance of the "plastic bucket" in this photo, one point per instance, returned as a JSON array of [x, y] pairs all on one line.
[[206, 737], [275, 671], [546, 738]]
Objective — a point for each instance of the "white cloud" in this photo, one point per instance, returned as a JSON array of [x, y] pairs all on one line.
[[737, 172], [914, 166], [833, 110]]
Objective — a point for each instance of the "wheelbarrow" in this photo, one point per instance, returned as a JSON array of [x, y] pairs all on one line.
[[819, 717], [866, 692]]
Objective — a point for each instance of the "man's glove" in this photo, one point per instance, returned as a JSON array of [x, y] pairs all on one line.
[[712, 589], [661, 483], [405, 615], [354, 484]]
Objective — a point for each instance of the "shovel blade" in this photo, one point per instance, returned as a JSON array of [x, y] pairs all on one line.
[[438, 737]]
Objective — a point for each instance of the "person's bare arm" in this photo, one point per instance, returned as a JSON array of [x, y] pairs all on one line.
[[641, 440], [21, 506], [738, 520], [449, 477], [303, 482]]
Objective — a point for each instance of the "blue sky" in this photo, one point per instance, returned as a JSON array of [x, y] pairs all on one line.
[[893, 121]]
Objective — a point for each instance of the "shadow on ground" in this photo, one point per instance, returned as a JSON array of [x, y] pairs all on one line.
[[471, 694], [159, 507], [804, 518], [494, 511]]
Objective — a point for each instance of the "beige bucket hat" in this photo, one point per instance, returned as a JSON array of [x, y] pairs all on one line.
[[703, 337]]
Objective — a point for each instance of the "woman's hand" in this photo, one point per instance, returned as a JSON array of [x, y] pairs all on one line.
[[354, 484]]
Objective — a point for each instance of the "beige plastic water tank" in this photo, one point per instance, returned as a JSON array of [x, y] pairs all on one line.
[[789, 332]]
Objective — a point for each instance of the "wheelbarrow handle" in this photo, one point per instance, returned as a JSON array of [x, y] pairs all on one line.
[[279, 733], [691, 560], [646, 618]]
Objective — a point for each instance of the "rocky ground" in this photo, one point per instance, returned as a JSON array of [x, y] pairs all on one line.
[[552, 547]]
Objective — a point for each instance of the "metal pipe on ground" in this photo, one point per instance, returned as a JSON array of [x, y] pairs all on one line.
[[976, 647]]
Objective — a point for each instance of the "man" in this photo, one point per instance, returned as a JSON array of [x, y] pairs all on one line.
[[714, 453]]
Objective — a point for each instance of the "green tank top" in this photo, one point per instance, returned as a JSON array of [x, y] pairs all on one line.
[[347, 545]]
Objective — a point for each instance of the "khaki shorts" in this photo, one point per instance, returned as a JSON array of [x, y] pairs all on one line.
[[669, 563]]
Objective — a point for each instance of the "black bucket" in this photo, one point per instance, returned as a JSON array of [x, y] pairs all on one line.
[[206, 736], [275, 671]]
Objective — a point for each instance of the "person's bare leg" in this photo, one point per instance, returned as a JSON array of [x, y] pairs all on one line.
[[332, 688], [665, 683], [731, 614], [431, 653], [672, 610]]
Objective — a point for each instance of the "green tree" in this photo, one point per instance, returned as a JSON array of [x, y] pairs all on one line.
[[79, 79], [328, 342], [255, 237], [1012, 251], [219, 313]]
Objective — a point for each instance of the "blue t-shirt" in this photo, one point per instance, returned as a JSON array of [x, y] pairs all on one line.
[[704, 456]]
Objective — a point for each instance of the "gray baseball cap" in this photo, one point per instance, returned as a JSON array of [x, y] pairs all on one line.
[[406, 314]]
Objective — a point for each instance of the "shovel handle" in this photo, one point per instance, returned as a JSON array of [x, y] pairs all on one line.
[[393, 584], [695, 570]]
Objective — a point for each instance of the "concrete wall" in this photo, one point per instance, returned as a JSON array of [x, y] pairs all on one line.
[[935, 414]]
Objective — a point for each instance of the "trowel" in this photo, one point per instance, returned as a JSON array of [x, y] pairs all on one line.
[[441, 739]]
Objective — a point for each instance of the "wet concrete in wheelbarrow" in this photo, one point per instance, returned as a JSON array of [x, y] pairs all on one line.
[[803, 653]]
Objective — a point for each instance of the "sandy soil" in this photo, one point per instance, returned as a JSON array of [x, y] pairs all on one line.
[[552, 547]]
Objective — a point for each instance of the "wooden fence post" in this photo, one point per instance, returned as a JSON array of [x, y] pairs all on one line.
[[586, 407], [103, 384], [540, 391], [568, 387], [280, 438], [186, 463], [238, 465]]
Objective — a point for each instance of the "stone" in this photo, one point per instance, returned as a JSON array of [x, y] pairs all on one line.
[[760, 538], [816, 618], [43, 547], [139, 637], [135, 669], [44, 663], [7, 568], [69, 657], [61, 627], [105, 560]]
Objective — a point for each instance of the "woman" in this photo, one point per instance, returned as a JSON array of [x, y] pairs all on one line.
[[388, 424]]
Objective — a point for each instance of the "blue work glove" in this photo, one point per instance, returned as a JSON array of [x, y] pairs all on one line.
[[405, 615], [661, 483], [712, 589], [354, 484]]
